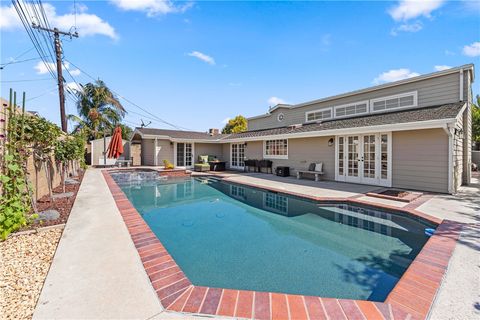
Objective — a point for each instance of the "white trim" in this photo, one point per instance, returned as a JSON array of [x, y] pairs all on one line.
[[380, 128], [319, 110], [175, 154], [365, 102], [395, 96], [184, 154], [231, 158], [155, 153], [265, 156], [448, 130], [379, 87], [461, 84], [378, 172]]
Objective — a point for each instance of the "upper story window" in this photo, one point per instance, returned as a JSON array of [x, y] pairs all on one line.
[[351, 109], [275, 149], [404, 100], [319, 114]]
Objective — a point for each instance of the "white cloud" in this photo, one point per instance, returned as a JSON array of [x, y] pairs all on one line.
[[87, 24], [449, 53], [75, 72], [411, 9], [395, 75], [441, 67], [407, 27], [203, 57], [42, 68], [73, 86], [151, 7], [472, 50], [225, 121], [273, 101]]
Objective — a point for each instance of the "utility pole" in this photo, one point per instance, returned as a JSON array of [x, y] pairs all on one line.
[[58, 54]]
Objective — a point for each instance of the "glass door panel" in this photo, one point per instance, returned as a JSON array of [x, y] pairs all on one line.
[[238, 155], [180, 154], [352, 158]]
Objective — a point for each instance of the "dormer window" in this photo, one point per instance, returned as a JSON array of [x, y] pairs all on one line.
[[404, 100], [321, 114]]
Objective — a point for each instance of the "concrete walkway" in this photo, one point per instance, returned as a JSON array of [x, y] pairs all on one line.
[[459, 295], [97, 273]]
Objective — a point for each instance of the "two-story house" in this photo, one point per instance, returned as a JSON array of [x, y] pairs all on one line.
[[414, 134]]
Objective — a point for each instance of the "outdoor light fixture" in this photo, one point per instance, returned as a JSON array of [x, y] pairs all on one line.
[[330, 142]]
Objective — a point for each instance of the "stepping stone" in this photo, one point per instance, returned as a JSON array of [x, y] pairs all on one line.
[[71, 181], [62, 195], [48, 215]]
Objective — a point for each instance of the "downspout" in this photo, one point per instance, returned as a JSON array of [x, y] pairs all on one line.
[[449, 130], [461, 85], [155, 160]]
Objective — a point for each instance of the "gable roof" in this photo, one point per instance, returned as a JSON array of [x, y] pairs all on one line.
[[374, 88], [441, 113], [436, 116], [177, 134]]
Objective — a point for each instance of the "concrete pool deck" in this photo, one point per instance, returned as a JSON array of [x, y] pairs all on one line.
[[97, 273]]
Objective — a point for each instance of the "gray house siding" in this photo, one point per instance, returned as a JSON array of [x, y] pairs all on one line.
[[435, 91], [208, 149], [148, 147], [254, 150], [226, 154], [420, 160], [164, 151], [301, 152]]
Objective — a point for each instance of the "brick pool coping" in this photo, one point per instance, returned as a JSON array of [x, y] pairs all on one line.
[[411, 298]]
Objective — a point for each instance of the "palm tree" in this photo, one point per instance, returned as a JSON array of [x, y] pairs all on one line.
[[98, 110]]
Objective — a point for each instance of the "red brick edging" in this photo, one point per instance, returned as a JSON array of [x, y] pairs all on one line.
[[411, 298]]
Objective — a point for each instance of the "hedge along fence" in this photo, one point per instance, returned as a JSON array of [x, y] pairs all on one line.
[[28, 168]]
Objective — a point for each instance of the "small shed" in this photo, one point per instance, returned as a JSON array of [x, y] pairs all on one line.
[[98, 146]]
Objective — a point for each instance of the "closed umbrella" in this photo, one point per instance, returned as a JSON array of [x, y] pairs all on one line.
[[115, 148]]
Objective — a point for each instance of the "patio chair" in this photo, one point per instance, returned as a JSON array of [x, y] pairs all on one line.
[[314, 168], [202, 164]]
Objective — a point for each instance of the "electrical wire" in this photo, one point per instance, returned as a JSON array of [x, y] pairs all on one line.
[[156, 118], [24, 80]]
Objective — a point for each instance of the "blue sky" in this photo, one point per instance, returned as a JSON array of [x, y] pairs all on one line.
[[195, 64]]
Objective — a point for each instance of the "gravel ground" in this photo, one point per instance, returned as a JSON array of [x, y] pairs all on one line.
[[24, 264]]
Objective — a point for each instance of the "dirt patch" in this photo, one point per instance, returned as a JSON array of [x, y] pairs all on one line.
[[62, 205]]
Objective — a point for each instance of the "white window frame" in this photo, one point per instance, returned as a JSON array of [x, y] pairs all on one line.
[[365, 102], [244, 156], [401, 95], [319, 110], [380, 182], [184, 155], [265, 156], [275, 201]]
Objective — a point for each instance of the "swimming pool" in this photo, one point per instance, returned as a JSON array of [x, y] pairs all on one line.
[[231, 236]]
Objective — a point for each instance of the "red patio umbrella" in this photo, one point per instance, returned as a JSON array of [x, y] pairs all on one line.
[[115, 148]]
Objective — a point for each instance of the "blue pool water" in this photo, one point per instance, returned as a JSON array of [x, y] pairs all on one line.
[[230, 236]]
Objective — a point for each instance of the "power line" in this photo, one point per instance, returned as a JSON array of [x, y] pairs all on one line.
[[3, 65], [42, 94], [24, 80], [131, 102]]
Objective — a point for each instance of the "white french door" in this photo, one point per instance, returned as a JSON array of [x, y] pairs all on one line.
[[364, 159], [237, 155], [184, 154]]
